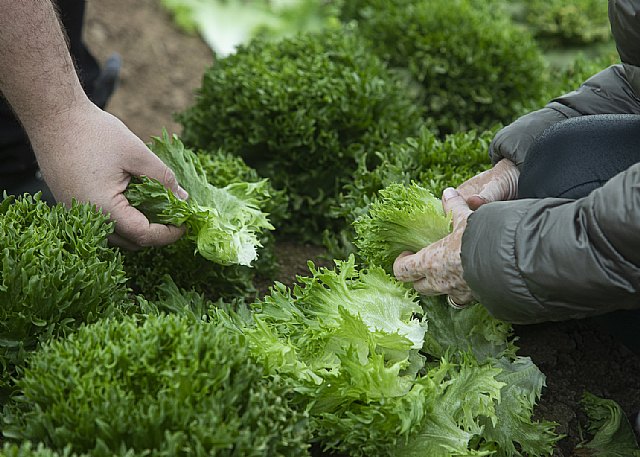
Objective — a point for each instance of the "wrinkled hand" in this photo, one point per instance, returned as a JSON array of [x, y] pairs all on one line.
[[497, 184], [437, 269], [89, 155]]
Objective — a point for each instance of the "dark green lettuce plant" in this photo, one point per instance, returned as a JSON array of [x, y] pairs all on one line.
[[304, 112], [558, 23], [28, 449], [161, 386], [57, 272], [473, 66], [611, 434]]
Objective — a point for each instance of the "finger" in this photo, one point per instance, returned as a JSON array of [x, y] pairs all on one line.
[[150, 165], [406, 268], [118, 241], [494, 191], [462, 298], [475, 202], [426, 287], [453, 203], [134, 227], [474, 185]]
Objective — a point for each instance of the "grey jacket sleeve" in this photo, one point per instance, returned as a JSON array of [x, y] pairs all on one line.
[[531, 261], [612, 91]]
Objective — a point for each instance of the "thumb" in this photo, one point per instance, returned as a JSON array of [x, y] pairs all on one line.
[[151, 166], [454, 203], [503, 184]]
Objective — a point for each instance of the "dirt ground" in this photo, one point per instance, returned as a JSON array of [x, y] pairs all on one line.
[[162, 67]]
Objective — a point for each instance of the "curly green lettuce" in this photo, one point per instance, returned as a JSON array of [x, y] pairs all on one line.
[[56, 272], [352, 342], [223, 222], [402, 218], [160, 386]]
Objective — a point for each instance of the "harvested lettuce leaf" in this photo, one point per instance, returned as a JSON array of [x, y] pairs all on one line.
[[402, 218], [458, 331], [514, 432], [348, 340], [224, 223], [462, 395]]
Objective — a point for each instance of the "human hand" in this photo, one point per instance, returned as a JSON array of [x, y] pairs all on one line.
[[497, 184], [89, 155], [437, 268]]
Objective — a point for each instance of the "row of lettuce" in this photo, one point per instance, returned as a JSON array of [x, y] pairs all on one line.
[[323, 137], [346, 360], [223, 24]]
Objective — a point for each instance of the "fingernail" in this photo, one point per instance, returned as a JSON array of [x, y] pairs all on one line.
[[449, 192], [182, 194]]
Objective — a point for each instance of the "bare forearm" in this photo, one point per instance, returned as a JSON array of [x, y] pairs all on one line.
[[37, 75]]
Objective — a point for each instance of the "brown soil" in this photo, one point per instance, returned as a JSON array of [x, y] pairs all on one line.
[[161, 69]]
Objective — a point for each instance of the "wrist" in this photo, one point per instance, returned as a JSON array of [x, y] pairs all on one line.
[[56, 113]]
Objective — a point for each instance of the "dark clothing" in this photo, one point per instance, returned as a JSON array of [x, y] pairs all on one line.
[[573, 158], [576, 156], [17, 160]]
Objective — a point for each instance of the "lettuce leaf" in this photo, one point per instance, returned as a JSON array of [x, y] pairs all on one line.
[[612, 435], [523, 383], [224, 223], [402, 218], [458, 331], [463, 394], [348, 339], [226, 24]]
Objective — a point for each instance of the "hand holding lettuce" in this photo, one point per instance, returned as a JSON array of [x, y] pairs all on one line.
[[402, 218], [437, 268], [409, 219], [224, 223]]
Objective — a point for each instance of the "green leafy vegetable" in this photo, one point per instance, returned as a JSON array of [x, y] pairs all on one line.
[[56, 272], [403, 218], [469, 330], [303, 112], [612, 435], [148, 267], [568, 22], [348, 341], [514, 432], [27, 449], [224, 25], [223, 222], [473, 66], [429, 161], [165, 386]]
